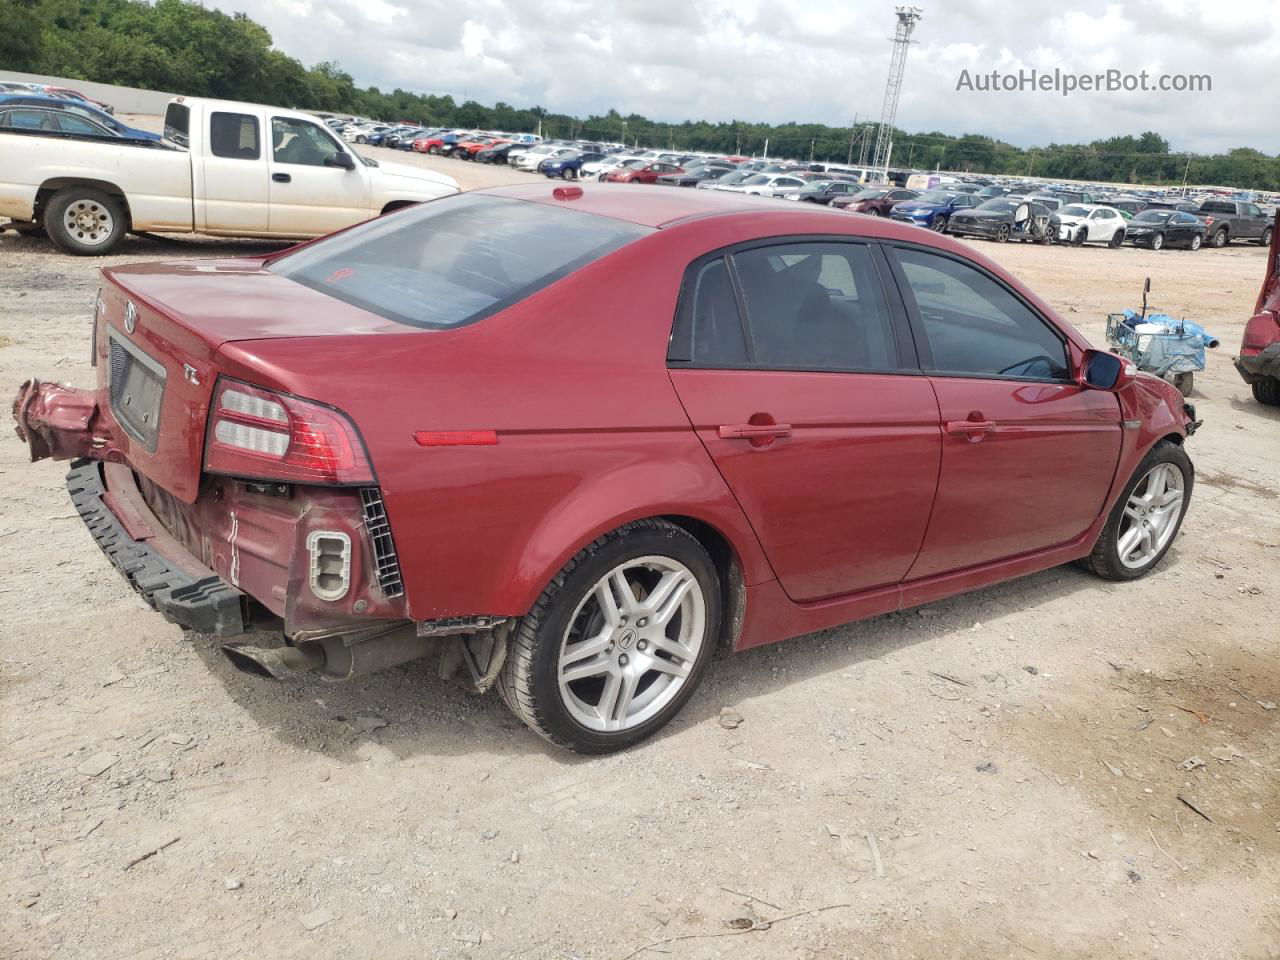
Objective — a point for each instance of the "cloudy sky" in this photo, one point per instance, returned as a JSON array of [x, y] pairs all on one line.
[[777, 60]]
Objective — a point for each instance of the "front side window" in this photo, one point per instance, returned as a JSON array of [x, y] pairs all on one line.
[[816, 306], [234, 136], [975, 327], [456, 260], [302, 142], [69, 124]]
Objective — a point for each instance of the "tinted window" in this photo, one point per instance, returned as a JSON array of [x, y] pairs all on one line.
[[816, 306], [234, 135], [1214, 206], [444, 263], [301, 142], [709, 328], [975, 326]]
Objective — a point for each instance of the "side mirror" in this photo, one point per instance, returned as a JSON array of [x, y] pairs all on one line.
[[1101, 370], [341, 160]]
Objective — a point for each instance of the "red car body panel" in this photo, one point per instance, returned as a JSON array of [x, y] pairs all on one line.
[[648, 174], [843, 519], [1259, 357]]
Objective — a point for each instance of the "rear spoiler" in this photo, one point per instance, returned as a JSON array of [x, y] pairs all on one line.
[[1271, 282]]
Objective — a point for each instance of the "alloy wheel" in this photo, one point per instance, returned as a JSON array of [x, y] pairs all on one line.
[[631, 644], [1150, 516], [89, 222]]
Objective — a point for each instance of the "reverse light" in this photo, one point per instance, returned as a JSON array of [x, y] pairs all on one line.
[[264, 435]]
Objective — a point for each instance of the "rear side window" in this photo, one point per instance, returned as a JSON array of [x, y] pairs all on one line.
[[177, 124], [709, 325], [816, 306], [1215, 206], [234, 136], [456, 260], [975, 327]]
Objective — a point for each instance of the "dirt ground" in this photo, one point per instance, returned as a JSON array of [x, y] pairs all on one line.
[[1056, 767]]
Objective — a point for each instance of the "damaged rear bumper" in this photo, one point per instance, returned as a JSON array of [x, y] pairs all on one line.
[[182, 590], [1255, 367]]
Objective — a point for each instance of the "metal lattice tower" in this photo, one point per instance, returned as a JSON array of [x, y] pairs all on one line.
[[908, 17]]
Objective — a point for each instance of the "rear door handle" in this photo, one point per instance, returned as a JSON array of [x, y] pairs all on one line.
[[754, 431], [962, 427], [281, 177]]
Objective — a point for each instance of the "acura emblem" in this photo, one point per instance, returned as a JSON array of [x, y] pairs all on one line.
[[130, 317]]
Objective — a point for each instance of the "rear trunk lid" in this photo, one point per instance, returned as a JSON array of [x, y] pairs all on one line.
[[159, 327]]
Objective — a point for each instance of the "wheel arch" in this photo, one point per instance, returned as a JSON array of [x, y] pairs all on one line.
[[55, 184], [397, 205]]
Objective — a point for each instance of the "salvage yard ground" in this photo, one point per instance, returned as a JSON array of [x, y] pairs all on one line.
[[1057, 767]]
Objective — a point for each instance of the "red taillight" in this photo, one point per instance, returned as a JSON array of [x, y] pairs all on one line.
[[1259, 333], [265, 435]]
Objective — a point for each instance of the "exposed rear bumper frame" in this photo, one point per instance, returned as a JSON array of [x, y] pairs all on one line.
[[204, 602]]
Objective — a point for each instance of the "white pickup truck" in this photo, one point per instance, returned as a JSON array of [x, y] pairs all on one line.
[[222, 168]]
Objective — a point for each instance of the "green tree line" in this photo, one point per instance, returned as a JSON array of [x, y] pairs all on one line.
[[186, 48]]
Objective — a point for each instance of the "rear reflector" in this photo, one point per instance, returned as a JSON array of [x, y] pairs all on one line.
[[456, 438], [264, 435]]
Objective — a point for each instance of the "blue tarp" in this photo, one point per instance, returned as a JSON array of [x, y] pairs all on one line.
[[1159, 343]]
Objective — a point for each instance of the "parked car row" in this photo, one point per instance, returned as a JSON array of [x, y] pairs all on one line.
[[48, 113], [49, 90]]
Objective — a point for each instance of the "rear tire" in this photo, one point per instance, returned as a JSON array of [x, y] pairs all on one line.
[[1267, 391], [1221, 238], [571, 611], [84, 221], [1106, 560], [1196, 242], [1265, 239]]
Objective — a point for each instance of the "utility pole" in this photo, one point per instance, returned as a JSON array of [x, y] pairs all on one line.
[[766, 149], [811, 143], [908, 17], [853, 132], [1185, 173]]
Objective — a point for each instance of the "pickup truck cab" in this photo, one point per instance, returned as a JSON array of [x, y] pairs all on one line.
[[1228, 220], [221, 168]]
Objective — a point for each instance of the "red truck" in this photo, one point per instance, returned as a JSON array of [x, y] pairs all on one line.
[[1259, 359]]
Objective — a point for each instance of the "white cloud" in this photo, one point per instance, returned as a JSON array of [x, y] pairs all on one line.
[[780, 60]]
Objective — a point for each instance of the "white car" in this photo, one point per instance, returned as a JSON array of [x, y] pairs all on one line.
[[530, 159], [598, 168], [223, 167], [360, 133], [1091, 223], [764, 185]]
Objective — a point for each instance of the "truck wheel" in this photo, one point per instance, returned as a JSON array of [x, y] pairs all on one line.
[[1265, 239], [618, 641], [85, 221], [1267, 390], [1146, 518], [1220, 238]]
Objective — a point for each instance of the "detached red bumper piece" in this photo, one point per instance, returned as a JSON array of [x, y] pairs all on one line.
[[59, 422]]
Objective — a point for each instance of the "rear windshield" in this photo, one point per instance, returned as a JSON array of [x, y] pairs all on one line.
[[454, 261], [177, 124]]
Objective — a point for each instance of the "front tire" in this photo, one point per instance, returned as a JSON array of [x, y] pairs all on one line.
[[1002, 235], [84, 221], [1117, 240], [939, 225], [618, 641], [1157, 242], [1146, 519]]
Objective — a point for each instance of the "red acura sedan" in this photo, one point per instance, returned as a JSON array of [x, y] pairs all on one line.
[[582, 436]]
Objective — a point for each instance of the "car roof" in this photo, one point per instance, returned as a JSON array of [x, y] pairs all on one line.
[[659, 208]]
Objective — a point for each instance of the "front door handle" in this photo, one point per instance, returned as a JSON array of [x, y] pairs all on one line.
[[970, 427], [755, 431], [281, 177]]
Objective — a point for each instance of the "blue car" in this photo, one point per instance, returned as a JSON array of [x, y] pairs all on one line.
[[80, 107], [932, 209], [568, 167]]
